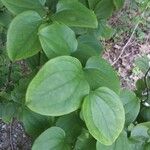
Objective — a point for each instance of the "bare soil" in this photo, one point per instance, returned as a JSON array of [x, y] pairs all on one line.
[[13, 136]]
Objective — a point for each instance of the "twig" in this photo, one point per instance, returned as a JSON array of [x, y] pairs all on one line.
[[126, 45], [148, 37], [129, 40]]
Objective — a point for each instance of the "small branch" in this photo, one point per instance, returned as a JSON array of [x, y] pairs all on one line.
[[126, 45]]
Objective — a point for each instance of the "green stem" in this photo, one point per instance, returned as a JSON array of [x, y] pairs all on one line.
[[146, 84], [39, 59], [9, 76]]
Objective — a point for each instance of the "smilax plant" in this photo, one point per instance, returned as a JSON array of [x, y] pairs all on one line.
[[69, 97]]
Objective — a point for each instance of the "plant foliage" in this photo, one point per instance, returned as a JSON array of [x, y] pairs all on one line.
[[66, 94]]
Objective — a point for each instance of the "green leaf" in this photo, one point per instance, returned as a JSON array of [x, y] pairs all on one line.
[[93, 3], [131, 105], [84, 2], [143, 63], [51, 139], [42, 2], [104, 9], [71, 124], [72, 13], [8, 111], [121, 143], [140, 86], [104, 31], [22, 38], [136, 145], [1, 4], [34, 123], [145, 113], [19, 91], [118, 3], [19, 6], [141, 89], [80, 31], [58, 88], [51, 4], [99, 73], [104, 116], [57, 39], [88, 46], [147, 146], [85, 141], [5, 19], [140, 132]]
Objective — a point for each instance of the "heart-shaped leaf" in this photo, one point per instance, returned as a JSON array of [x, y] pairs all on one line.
[[19, 6], [145, 114], [141, 132], [85, 141], [22, 38], [93, 3], [100, 73], [52, 139], [58, 88], [121, 143], [72, 13], [57, 39], [88, 46], [5, 19], [71, 124], [34, 123], [131, 105], [104, 31], [104, 116], [143, 63], [104, 9], [118, 3]]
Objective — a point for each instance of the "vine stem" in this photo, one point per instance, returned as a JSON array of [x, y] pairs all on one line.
[[39, 59], [146, 84], [9, 75], [9, 72]]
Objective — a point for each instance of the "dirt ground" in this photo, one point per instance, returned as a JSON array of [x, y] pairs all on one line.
[[13, 136], [122, 51], [125, 63]]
